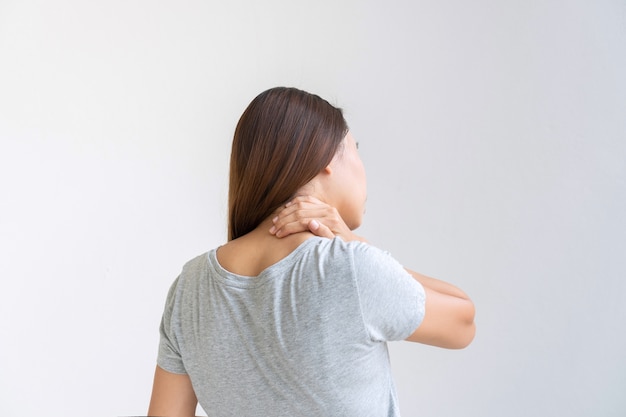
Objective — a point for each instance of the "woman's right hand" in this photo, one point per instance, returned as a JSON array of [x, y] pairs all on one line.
[[307, 213]]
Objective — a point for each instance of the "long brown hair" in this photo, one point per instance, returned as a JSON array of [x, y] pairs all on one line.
[[283, 139]]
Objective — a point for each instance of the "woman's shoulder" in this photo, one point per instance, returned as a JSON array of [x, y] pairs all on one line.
[[354, 246], [197, 263], [356, 250], [191, 271]]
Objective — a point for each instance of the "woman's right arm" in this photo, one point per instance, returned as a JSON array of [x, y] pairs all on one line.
[[449, 315], [449, 318]]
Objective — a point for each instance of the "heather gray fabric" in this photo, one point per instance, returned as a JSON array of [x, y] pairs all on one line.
[[304, 338]]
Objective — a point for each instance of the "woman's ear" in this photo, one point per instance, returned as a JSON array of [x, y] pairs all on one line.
[[323, 178]]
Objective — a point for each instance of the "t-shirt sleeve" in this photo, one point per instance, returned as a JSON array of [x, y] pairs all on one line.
[[392, 301], [169, 357]]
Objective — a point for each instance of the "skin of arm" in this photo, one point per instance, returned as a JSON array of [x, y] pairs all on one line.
[[449, 318], [172, 395]]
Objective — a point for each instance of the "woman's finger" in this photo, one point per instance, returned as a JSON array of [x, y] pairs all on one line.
[[299, 219], [320, 229]]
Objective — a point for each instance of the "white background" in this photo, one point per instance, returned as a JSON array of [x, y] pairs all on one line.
[[493, 133]]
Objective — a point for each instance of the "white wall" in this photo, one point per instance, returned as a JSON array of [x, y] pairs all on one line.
[[494, 135]]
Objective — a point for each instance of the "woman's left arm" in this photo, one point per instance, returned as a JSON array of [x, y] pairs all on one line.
[[172, 395]]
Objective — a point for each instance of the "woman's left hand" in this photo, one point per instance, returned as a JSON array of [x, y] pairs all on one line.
[[307, 213]]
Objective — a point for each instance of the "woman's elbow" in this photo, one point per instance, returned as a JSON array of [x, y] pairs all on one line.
[[467, 327], [465, 337]]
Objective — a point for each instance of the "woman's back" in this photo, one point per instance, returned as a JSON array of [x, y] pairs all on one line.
[[305, 337]]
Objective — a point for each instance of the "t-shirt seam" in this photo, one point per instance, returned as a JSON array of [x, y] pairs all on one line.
[[164, 364], [358, 296], [233, 280]]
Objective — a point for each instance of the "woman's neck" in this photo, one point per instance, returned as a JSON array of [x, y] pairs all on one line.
[[250, 254]]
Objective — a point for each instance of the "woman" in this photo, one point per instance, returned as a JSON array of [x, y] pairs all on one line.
[[291, 316]]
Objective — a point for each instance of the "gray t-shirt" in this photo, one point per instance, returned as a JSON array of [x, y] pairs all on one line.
[[307, 337]]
